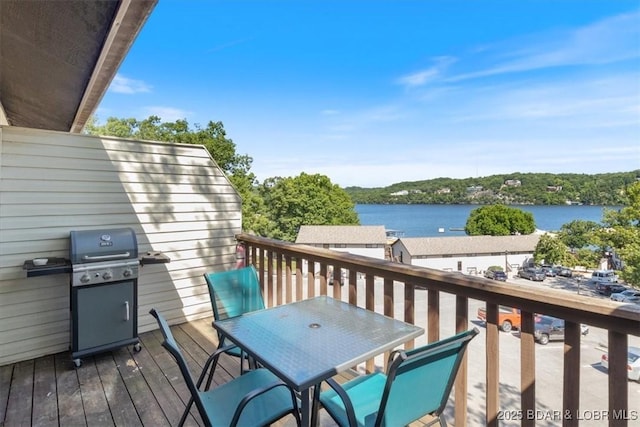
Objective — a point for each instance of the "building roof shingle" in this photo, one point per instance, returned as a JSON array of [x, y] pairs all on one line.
[[342, 234], [420, 246]]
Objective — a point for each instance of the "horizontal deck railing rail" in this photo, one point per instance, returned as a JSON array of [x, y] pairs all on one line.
[[289, 271]]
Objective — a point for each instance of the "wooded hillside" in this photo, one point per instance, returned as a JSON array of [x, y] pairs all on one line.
[[515, 188]]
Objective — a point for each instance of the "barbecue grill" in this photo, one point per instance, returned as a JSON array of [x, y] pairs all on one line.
[[104, 294]]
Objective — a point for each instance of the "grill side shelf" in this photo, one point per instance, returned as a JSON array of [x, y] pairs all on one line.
[[53, 266], [154, 258]]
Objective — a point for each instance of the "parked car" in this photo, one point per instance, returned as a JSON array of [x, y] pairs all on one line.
[[562, 271], [549, 328], [633, 363], [496, 275], [532, 274], [625, 295], [508, 317], [607, 289], [548, 270], [604, 276]]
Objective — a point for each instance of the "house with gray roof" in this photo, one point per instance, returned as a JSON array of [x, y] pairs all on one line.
[[466, 254], [367, 240]]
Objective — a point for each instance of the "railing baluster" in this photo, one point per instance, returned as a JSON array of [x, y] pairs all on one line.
[[337, 278], [288, 279], [492, 365], [527, 367], [353, 287], [279, 287], [388, 307], [460, 385], [618, 388], [370, 304], [270, 285], [409, 309], [571, 378], [311, 279], [433, 315]]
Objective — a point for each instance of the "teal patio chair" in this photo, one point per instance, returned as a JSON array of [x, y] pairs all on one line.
[[257, 398], [418, 382], [233, 293]]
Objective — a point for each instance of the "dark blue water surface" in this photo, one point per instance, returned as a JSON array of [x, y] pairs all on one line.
[[427, 220]]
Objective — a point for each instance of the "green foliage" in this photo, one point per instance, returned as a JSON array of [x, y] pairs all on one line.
[[512, 189], [578, 233], [551, 250], [622, 233], [499, 220], [585, 257], [305, 200]]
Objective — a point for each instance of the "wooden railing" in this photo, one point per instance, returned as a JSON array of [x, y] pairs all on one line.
[[290, 272]]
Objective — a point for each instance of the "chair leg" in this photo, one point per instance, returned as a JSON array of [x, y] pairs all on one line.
[[185, 414]]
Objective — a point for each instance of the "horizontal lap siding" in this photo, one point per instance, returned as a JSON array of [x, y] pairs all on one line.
[[174, 196]]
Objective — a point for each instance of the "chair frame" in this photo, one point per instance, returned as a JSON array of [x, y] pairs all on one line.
[[210, 365], [400, 360], [213, 295]]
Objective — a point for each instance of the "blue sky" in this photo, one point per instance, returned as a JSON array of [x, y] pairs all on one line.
[[371, 93]]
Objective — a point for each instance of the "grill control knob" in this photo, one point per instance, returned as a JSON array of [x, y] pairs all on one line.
[[85, 278], [127, 272], [107, 275]]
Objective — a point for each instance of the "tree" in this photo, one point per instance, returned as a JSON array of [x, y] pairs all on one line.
[[305, 200], [551, 250], [578, 233], [213, 137], [499, 220], [622, 233]]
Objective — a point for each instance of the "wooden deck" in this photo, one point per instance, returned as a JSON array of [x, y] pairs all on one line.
[[118, 388], [121, 388]]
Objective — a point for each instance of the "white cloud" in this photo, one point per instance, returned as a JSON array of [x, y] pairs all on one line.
[[420, 78], [608, 41], [121, 84]]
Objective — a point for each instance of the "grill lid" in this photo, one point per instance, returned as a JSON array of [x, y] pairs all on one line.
[[98, 245]]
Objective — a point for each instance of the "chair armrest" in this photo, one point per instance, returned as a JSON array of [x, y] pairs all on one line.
[[257, 392], [348, 406], [213, 358]]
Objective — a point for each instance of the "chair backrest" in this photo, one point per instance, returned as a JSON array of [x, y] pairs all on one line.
[[419, 381], [234, 292], [172, 347]]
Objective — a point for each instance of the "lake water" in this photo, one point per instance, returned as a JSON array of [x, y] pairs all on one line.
[[426, 220]]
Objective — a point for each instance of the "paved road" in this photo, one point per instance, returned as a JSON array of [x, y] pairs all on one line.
[[549, 362]]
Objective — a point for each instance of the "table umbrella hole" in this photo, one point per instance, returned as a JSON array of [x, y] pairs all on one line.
[[314, 325]]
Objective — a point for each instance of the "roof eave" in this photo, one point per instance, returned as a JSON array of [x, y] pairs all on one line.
[[129, 20]]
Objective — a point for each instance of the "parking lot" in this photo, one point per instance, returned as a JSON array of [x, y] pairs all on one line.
[[549, 361]]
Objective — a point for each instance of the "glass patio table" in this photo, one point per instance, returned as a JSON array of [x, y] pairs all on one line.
[[308, 341]]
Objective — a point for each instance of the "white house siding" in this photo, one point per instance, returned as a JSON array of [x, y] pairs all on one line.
[[377, 252], [470, 254], [174, 196]]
